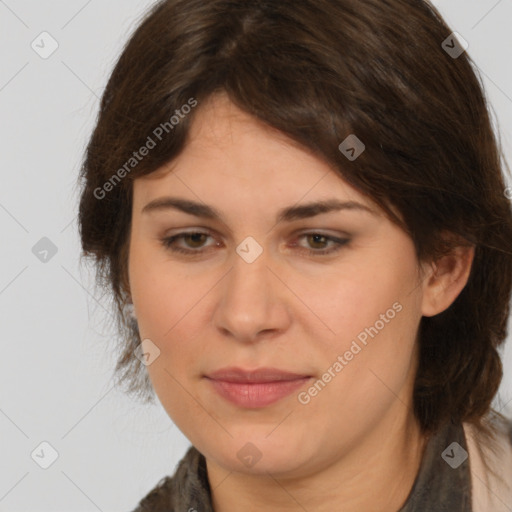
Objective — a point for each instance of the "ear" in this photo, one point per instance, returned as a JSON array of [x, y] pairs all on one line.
[[446, 280]]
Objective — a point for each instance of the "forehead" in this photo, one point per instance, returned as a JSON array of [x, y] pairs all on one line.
[[233, 143], [220, 122], [233, 159]]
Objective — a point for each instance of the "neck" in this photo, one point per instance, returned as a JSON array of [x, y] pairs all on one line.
[[378, 474]]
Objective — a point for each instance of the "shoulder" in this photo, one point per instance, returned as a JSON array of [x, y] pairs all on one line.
[[490, 460], [159, 499], [187, 489]]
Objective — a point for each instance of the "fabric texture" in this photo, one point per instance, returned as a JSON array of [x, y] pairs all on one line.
[[442, 484], [444, 481]]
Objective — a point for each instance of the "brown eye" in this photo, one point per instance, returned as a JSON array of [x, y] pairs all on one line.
[[318, 241], [194, 240]]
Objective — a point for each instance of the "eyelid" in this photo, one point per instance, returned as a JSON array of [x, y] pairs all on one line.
[[339, 243]]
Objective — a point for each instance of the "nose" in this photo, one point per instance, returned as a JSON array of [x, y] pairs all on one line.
[[252, 300]]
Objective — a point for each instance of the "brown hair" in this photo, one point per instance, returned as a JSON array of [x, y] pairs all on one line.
[[318, 71]]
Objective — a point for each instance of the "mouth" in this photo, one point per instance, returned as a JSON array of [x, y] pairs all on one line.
[[255, 388]]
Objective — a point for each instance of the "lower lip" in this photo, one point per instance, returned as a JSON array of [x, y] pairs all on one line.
[[254, 395]]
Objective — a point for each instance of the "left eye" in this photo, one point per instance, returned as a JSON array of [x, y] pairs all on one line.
[[197, 238]]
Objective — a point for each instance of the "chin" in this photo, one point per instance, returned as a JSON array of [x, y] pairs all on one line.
[[259, 454]]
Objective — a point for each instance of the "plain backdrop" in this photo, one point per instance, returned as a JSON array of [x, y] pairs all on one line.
[[56, 386]]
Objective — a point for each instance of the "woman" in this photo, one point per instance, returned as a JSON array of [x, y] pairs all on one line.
[[300, 209]]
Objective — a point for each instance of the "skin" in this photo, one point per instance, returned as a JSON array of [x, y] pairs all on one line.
[[356, 445]]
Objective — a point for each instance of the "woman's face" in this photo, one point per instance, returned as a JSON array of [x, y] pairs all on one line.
[[260, 289]]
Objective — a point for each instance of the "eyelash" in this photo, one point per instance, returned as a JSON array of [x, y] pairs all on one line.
[[168, 243]]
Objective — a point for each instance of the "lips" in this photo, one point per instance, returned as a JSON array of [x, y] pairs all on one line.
[[251, 389], [259, 375]]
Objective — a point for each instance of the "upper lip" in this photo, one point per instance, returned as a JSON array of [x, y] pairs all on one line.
[[233, 374]]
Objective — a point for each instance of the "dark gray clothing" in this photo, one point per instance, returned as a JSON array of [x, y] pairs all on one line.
[[439, 487]]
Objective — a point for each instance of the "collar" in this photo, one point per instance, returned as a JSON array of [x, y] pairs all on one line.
[[443, 482]]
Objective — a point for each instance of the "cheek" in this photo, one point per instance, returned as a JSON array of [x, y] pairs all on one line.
[[157, 290], [373, 316], [164, 303], [347, 302], [170, 312]]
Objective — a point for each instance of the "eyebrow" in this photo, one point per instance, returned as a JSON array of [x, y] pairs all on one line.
[[287, 214]]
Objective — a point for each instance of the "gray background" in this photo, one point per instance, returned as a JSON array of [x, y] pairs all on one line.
[[56, 369]]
